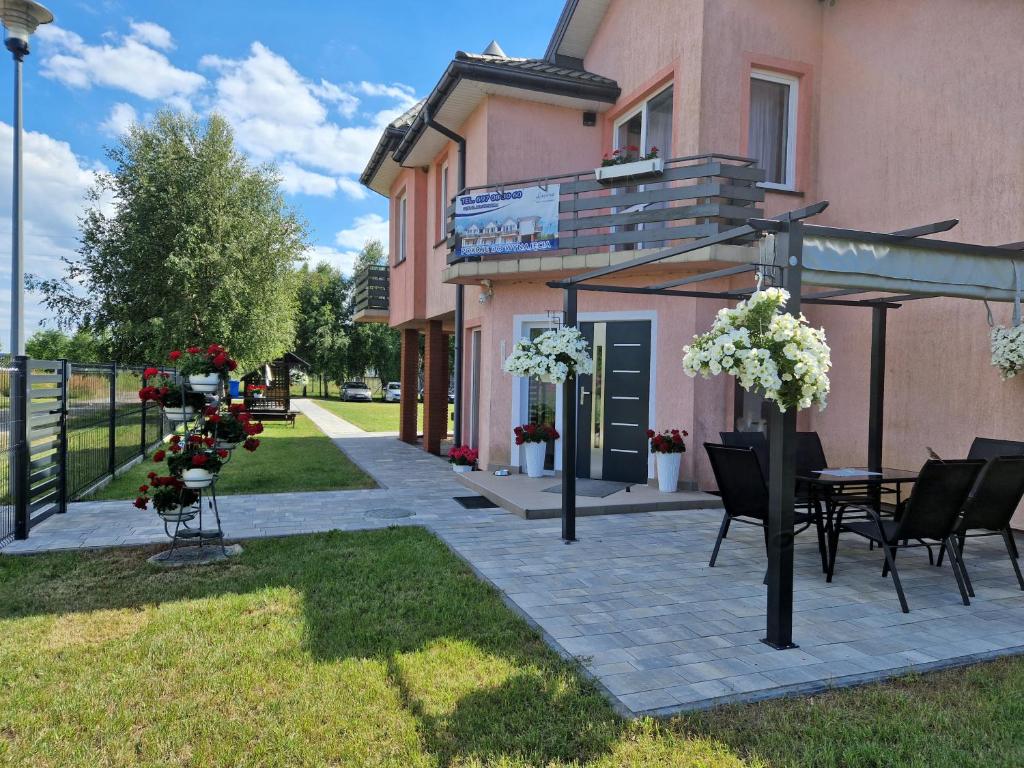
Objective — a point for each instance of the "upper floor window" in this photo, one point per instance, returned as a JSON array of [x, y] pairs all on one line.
[[649, 126], [772, 136], [402, 228], [443, 201]]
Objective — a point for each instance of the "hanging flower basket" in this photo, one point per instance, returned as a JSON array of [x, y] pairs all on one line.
[[553, 356], [1008, 350], [766, 349]]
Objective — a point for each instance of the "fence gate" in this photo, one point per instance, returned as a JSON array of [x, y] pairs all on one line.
[[38, 402]]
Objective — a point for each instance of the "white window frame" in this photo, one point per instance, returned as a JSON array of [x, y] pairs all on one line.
[[402, 229], [792, 111], [641, 109]]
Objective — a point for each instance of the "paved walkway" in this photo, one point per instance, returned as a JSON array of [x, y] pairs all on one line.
[[634, 601]]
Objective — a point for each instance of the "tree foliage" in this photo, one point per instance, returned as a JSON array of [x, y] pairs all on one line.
[[81, 347], [328, 338], [183, 241]]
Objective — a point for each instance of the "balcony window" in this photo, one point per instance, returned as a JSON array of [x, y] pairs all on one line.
[[401, 230], [772, 135]]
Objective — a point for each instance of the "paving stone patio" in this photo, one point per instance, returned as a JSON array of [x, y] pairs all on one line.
[[633, 600]]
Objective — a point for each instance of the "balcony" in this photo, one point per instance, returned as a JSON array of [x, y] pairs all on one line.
[[607, 222], [371, 295]]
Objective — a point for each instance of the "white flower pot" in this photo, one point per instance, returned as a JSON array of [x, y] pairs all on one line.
[[226, 446], [668, 471], [535, 459], [178, 515], [204, 382], [461, 469], [636, 168], [179, 413], [197, 477]]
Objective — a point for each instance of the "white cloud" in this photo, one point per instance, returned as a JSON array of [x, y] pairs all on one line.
[[121, 118], [148, 33], [341, 260], [370, 226], [55, 185], [279, 114], [128, 63], [352, 188], [296, 180]]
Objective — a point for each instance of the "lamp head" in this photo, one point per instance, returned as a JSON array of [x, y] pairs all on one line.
[[21, 17]]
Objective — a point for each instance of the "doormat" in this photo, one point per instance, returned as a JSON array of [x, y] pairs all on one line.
[[475, 502], [598, 489]]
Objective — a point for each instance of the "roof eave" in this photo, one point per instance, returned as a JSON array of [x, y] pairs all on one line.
[[461, 69]]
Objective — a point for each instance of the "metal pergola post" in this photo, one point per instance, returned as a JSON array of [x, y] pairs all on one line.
[[782, 466], [876, 399], [569, 432]]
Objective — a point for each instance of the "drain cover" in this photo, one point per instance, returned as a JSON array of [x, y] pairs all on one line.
[[389, 513]]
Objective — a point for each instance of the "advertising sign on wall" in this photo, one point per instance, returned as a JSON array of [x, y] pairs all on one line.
[[507, 221]]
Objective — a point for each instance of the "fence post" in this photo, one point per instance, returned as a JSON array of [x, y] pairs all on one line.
[[19, 439], [112, 453], [62, 448], [142, 431]]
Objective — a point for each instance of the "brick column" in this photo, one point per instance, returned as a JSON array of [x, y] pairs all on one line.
[[410, 362], [435, 387]]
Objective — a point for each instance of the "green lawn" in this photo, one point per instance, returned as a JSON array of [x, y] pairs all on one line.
[[381, 648], [375, 416], [288, 459]]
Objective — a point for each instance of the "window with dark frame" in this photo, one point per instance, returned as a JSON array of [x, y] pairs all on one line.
[[401, 229]]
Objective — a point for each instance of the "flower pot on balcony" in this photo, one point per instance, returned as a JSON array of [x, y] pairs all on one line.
[[637, 168], [177, 413], [204, 382], [196, 477], [668, 471], [535, 453]]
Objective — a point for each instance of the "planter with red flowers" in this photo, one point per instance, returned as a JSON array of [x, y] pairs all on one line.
[[462, 458], [173, 502], [178, 403], [205, 369], [535, 438], [668, 448], [629, 162], [195, 460]]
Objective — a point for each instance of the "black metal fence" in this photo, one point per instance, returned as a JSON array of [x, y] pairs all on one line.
[[65, 428]]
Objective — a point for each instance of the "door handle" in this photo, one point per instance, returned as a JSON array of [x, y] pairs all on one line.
[[583, 394]]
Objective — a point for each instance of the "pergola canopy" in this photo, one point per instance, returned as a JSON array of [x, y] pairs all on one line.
[[846, 262]]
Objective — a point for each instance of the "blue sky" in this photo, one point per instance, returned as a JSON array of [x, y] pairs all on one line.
[[306, 85]]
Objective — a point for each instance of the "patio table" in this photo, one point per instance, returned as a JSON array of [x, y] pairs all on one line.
[[838, 485]]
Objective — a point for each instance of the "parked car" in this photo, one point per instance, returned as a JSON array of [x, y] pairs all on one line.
[[451, 393], [355, 391], [393, 392]]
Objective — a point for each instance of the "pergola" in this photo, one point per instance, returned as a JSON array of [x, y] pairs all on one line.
[[842, 263]]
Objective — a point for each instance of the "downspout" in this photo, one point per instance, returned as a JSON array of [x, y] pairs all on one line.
[[460, 289]]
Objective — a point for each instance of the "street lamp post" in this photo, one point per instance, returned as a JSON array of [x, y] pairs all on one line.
[[20, 17]]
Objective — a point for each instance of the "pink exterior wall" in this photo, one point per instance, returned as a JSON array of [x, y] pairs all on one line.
[[408, 280], [920, 121]]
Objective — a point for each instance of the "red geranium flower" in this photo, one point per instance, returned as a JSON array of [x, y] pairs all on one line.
[[141, 502], [193, 350], [213, 418], [251, 444], [143, 488], [222, 452], [199, 459], [151, 475], [232, 364], [159, 456], [220, 360], [209, 442], [150, 372], [174, 355]]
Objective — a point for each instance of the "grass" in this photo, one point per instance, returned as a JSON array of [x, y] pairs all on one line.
[[382, 649], [375, 416], [288, 459]]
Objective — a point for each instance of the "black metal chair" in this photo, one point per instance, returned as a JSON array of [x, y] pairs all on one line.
[[929, 516], [745, 495], [989, 448], [757, 441], [989, 507]]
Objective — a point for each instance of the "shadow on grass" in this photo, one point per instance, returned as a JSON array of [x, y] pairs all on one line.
[[396, 595]]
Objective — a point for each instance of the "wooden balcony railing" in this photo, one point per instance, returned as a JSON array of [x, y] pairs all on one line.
[[371, 294], [692, 197]]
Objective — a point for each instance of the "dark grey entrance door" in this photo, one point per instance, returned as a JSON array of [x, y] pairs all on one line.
[[614, 402]]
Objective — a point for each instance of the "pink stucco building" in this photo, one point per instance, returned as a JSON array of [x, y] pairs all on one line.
[[898, 113]]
